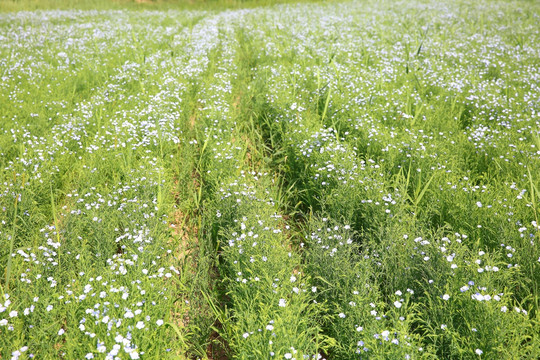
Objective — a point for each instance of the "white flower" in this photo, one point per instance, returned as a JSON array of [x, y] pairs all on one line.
[[397, 304], [478, 297], [13, 313], [89, 356], [479, 352], [49, 308], [140, 325], [342, 315], [61, 332], [282, 302], [115, 350], [269, 327], [159, 322], [3, 322], [385, 333], [245, 335], [479, 204], [288, 356], [504, 309], [446, 297]]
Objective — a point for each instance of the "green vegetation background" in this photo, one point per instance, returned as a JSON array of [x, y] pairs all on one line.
[[31, 5]]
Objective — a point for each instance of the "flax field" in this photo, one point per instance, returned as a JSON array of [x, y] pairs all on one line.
[[313, 180]]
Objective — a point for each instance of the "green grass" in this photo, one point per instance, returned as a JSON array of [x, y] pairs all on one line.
[[253, 180], [161, 5]]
